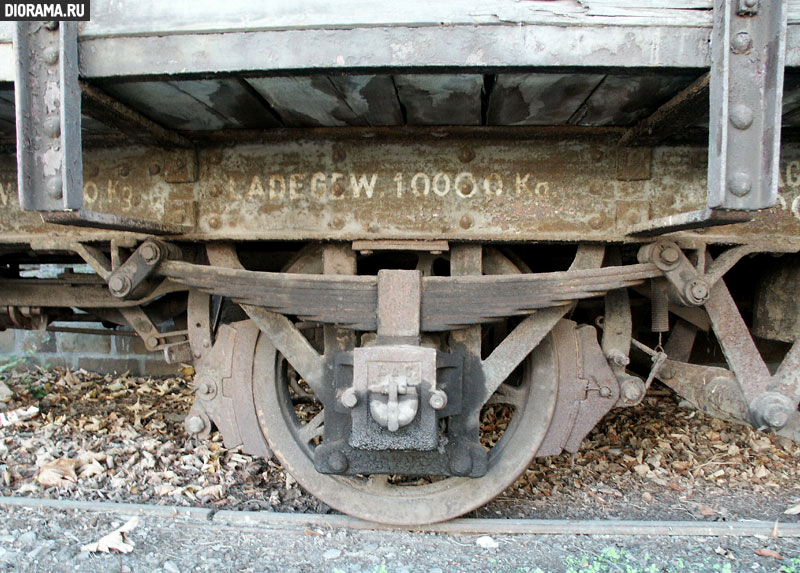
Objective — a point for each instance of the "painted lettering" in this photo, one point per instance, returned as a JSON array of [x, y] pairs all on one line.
[[357, 185], [493, 184], [522, 183], [415, 184], [296, 181], [256, 188], [465, 185], [441, 184], [277, 186], [318, 185]]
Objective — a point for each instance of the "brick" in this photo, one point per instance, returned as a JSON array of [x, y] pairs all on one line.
[[126, 345], [8, 341], [110, 365], [84, 343], [48, 361], [34, 341]]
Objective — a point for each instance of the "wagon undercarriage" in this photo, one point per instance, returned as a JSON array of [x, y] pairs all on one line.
[[368, 255]]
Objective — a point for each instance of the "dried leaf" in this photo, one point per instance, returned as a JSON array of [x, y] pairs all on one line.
[[764, 552], [212, 491], [794, 510], [115, 541], [58, 473], [706, 511]]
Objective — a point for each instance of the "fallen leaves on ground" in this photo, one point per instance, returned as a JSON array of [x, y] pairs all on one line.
[[764, 552], [115, 542]]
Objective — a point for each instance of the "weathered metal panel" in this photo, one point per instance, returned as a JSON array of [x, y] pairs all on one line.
[[538, 99], [422, 186]]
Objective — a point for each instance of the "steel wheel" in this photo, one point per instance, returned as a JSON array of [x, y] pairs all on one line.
[[373, 497]]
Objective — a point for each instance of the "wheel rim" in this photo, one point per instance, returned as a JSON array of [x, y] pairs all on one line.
[[373, 498]]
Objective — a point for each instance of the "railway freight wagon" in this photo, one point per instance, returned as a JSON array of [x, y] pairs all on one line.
[[366, 223]]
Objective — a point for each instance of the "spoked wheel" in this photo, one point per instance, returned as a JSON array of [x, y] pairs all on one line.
[[378, 497]]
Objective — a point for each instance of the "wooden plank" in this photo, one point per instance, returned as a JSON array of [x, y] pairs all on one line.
[[623, 99], [233, 99], [188, 16], [194, 105], [441, 99], [538, 99], [370, 97], [309, 101], [685, 109]]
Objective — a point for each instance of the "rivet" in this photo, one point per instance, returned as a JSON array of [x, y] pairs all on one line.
[[465, 222], [338, 154], [124, 171], [741, 43], [633, 217], [337, 222], [338, 461], [596, 222], [50, 56], [52, 127], [465, 155], [214, 222], [741, 116], [740, 184], [154, 169], [54, 186]]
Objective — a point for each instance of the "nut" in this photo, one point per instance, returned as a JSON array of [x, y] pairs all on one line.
[[349, 398], [670, 254], [119, 285], [150, 253], [338, 461], [697, 291], [438, 400]]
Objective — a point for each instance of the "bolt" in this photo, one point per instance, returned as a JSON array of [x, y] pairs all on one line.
[[52, 127], [438, 400], [751, 3], [631, 392], [596, 222], [54, 187], [124, 171], [194, 425], [697, 291], [605, 392], [741, 43], [633, 217], [465, 155], [670, 254], [740, 184], [741, 116], [154, 169], [338, 462], [619, 358], [460, 463], [349, 398], [151, 342], [206, 388], [50, 56], [150, 253], [776, 417], [119, 285], [666, 372], [206, 343], [337, 222], [339, 154], [214, 222], [772, 409], [465, 222]]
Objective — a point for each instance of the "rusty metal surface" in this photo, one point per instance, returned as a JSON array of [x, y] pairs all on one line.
[[587, 388], [776, 314], [465, 186]]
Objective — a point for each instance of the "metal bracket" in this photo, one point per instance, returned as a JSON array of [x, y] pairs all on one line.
[[48, 100], [748, 47], [48, 122]]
